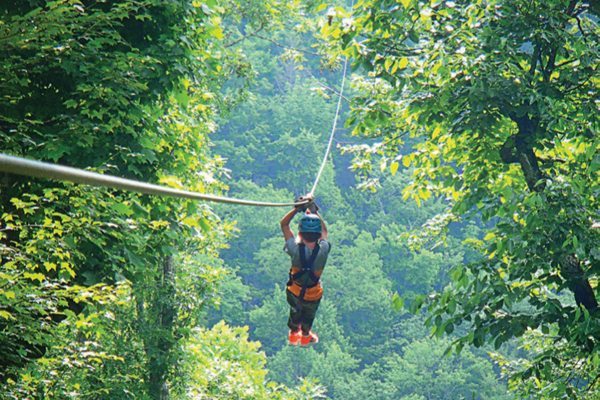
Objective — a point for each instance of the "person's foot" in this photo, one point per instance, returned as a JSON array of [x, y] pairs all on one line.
[[308, 339], [294, 337]]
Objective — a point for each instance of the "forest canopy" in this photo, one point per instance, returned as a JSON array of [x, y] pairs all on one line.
[[461, 198]]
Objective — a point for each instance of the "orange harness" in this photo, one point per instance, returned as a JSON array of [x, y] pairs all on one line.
[[312, 293], [309, 288]]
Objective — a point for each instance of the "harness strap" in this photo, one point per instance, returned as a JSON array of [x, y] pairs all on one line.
[[308, 265], [307, 268]]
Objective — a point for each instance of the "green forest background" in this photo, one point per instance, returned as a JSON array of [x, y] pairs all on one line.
[[461, 199]]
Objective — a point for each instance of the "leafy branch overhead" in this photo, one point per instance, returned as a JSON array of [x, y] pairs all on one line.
[[492, 105]]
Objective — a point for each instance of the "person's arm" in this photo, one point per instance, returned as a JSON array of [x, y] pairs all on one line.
[[324, 233], [285, 224]]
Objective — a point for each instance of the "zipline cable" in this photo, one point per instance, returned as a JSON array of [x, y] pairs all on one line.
[[22, 166], [335, 120]]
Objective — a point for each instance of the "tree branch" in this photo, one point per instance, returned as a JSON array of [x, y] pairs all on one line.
[[583, 35], [276, 43], [255, 33], [571, 7], [562, 64], [518, 148], [324, 86], [579, 85], [550, 65], [534, 60]]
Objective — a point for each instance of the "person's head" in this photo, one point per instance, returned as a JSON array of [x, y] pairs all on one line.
[[310, 228]]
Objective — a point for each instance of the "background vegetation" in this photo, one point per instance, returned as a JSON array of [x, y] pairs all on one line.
[[461, 199]]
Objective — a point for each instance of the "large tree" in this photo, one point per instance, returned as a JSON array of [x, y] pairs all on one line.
[[501, 98], [128, 88]]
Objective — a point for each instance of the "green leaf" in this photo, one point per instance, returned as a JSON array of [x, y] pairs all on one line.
[[451, 306], [406, 3], [34, 276], [387, 63], [5, 315], [397, 302], [416, 303], [191, 221], [9, 295], [545, 329], [205, 224], [403, 63], [122, 208], [489, 236]]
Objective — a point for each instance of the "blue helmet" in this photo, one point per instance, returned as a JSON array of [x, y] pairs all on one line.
[[309, 223]]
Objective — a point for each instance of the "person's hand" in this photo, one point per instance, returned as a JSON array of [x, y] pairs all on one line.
[[311, 205], [301, 207]]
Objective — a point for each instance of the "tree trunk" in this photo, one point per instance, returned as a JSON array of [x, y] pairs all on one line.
[[519, 149], [159, 353], [579, 285]]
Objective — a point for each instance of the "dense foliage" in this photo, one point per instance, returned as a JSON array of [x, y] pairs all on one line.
[[473, 225], [500, 100], [100, 290]]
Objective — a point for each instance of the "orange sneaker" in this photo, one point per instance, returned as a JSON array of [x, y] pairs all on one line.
[[310, 338], [294, 337]]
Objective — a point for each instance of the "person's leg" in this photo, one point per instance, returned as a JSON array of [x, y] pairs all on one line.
[[294, 319], [308, 313]]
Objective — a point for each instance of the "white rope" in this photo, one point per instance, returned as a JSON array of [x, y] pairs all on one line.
[[335, 120]]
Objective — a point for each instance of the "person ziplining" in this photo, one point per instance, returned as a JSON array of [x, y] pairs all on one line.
[[308, 253]]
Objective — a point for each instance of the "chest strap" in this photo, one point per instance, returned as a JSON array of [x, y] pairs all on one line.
[[307, 269]]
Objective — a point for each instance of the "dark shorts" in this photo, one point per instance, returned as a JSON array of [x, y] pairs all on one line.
[[302, 313]]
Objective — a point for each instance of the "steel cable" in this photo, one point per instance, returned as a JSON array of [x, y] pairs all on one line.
[[22, 166]]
